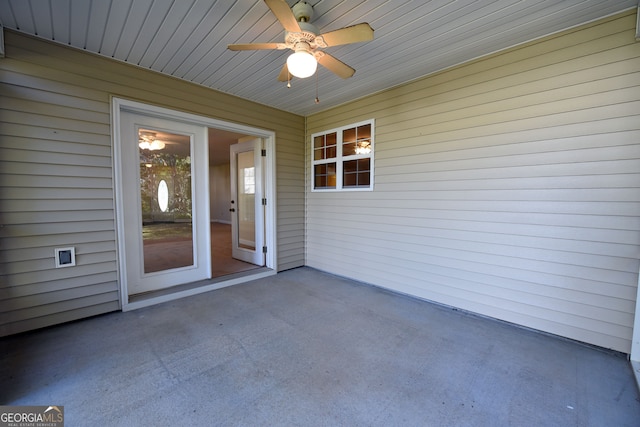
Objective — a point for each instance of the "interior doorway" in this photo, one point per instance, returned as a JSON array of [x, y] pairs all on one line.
[[190, 166]]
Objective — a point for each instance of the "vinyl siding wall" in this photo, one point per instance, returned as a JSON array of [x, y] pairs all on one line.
[[509, 186], [56, 175]]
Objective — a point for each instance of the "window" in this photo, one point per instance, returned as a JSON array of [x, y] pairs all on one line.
[[342, 159]]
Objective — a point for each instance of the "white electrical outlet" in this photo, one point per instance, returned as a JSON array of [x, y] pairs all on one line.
[[65, 257]]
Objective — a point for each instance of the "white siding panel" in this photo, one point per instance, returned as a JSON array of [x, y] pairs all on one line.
[[56, 177], [47, 181], [61, 313], [57, 205], [17, 90], [55, 297], [35, 288], [66, 170], [18, 315], [509, 187]]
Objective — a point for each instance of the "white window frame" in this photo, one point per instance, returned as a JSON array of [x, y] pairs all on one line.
[[339, 160]]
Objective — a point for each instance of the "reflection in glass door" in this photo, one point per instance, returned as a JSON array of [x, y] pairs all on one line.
[[165, 200]]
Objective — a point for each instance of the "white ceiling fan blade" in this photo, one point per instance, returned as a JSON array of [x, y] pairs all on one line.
[[256, 46], [336, 66], [283, 12], [353, 34]]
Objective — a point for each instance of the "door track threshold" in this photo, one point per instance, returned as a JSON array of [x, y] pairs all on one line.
[[189, 289]]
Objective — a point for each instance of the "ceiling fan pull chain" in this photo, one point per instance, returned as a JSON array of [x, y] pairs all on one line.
[[317, 99]]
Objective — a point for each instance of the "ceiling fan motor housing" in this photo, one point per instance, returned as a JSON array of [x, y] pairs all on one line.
[[308, 35], [303, 11]]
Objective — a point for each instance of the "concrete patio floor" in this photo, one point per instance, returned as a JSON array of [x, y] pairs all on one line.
[[310, 349]]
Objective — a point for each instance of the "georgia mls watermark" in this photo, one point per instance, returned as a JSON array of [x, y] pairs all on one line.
[[31, 416]]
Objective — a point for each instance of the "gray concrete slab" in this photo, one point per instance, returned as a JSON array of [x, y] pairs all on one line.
[[310, 349]]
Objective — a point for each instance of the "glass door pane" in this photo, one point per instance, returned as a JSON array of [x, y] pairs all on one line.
[[165, 200], [247, 219], [246, 200]]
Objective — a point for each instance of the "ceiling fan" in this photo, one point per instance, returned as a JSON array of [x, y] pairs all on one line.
[[304, 39]]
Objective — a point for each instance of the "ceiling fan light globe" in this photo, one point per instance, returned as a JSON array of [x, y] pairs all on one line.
[[157, 145], [302, 64]]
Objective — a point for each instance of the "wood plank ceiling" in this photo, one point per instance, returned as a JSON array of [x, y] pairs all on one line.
[[188, 38]]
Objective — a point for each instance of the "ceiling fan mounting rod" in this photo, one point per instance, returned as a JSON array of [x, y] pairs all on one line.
[[302, 11]]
